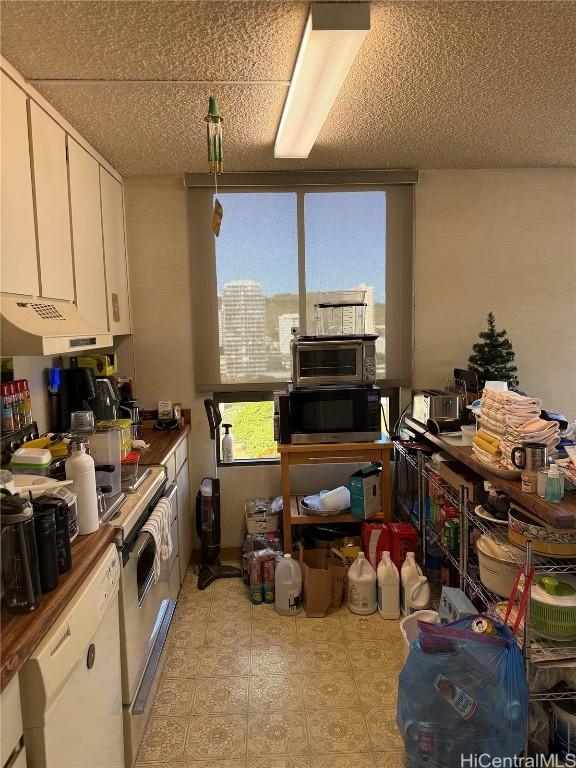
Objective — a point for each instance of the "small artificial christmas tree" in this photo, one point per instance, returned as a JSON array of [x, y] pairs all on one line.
[[493, 358]]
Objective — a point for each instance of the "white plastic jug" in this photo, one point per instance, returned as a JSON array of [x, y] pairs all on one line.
[[408, 578], [362, 586], [288, 586], [388, 588], [419, 595]]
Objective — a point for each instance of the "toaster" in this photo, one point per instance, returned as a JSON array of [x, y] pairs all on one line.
[[435, 403]]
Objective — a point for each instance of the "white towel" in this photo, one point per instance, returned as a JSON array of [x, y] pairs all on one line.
[[158, 526]]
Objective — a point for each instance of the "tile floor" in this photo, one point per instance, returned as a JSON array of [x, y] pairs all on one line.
[[243, 687]]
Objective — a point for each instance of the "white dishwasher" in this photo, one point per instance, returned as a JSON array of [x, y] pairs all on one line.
[[71, 688]]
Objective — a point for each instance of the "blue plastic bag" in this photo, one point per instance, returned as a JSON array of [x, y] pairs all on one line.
[[462, 694]]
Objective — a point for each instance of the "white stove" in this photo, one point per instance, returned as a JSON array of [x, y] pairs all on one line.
[[134, 504], [146, 606]]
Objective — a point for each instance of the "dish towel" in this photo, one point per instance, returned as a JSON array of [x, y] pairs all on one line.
[[158, 526]]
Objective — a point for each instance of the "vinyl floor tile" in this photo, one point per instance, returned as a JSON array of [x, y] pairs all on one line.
[[175, 697], [277, 734], [216, 736], [221, 695], [164, 739], [329, 690], [337, 730], [243, 687], [276, 692]]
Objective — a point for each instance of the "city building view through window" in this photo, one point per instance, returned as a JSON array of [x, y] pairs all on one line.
[[257, 273]]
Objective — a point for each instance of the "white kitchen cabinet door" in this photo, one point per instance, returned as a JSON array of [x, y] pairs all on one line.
[[185, 519], [84, 175], [19, 259], [50, 178], [115, 254]]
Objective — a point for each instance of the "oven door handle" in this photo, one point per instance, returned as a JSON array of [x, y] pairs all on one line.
[[148, 584], [140, 545]]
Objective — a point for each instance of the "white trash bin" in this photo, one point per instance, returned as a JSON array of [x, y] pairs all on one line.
[[409, 626]]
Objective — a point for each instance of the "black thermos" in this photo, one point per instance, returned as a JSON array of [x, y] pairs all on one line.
[[62, 520], [45, 527]]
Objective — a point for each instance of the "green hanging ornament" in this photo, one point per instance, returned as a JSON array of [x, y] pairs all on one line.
[[214, 137]]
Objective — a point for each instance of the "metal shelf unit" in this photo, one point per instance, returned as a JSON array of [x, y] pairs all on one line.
[[534, 648]]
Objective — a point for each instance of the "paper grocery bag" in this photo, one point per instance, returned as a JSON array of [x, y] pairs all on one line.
[[324, 577]]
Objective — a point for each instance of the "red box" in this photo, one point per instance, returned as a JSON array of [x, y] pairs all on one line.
[[403, 538], [375, 540]]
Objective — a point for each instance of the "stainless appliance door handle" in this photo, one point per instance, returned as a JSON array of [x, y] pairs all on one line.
[[140, 545], [170, 492], [148, 584]]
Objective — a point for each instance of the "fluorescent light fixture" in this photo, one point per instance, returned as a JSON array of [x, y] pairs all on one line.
[[332, 38]]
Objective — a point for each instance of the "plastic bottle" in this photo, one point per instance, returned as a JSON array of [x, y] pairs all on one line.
[[288, 587], [227, 446], [7, 415], [419, 595], [553, 490], [408, 578], [362, 587], [388, 588], [21, 395], [80, 469], [27, 401], [13, 404]]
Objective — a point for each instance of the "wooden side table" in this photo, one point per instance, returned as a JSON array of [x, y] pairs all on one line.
[[343, 453]]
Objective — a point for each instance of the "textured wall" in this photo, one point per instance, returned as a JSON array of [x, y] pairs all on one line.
[[502, 241]]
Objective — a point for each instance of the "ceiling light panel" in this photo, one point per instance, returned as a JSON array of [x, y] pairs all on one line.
[[333, 35]]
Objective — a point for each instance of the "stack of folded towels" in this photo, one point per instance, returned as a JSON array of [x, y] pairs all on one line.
[[508, 419]]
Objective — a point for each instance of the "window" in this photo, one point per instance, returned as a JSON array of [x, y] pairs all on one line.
[[279, 251], [345, 235], [257, 279], [253, 428]]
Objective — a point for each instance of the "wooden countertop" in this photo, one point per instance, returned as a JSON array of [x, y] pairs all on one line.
[[161, 443], [21, 633], [562, 515]]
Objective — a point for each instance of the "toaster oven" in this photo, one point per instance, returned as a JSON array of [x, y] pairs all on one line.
[[320, 360]]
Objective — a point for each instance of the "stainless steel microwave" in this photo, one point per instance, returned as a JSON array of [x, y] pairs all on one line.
[[336, 414], [318, 360]]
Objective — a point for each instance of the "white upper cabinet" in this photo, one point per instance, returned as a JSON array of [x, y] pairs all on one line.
[[52, 205], [115, 254], [84, 175], [19, 259]]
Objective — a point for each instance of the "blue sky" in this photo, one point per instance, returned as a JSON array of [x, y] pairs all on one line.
[[345, 240]]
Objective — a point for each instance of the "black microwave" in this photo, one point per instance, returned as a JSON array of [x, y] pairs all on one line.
[[336, 414]]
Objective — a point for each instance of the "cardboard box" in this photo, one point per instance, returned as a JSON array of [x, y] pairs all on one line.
[[375, 541], [454, 605], [456, 474], [403, 539], [365, 493]]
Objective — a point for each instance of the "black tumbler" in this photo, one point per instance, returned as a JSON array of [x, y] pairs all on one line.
[[45, 526], [59, 507]]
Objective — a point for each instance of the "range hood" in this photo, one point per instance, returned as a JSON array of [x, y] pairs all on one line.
[[44, 327]]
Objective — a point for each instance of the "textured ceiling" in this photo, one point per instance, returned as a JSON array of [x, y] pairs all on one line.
[[436, 84]]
